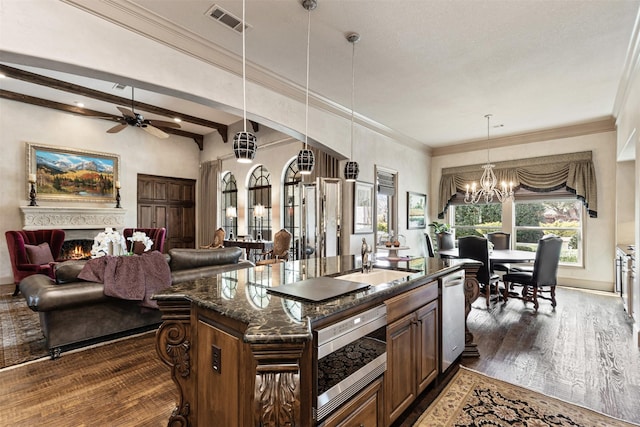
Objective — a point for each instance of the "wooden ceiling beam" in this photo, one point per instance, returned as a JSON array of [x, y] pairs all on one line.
[[101, 96], [13, 96]]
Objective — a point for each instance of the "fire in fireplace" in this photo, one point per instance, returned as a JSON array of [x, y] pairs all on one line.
[[76, 249]]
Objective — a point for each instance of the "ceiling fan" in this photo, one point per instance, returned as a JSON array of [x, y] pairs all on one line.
[[131, 118]]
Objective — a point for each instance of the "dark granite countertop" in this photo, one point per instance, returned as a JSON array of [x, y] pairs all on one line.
[[242, 294]]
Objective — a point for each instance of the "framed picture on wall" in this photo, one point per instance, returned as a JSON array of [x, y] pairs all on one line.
[[362, 208], [416, 210], [70, 174]]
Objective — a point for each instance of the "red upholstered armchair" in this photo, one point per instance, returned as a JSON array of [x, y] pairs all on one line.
[[155, 234], [30, 256]]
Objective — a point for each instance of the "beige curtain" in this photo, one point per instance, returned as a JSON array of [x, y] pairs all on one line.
[[574, 172], [208, 207]]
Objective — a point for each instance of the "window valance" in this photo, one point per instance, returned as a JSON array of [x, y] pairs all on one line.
[[575, 172]]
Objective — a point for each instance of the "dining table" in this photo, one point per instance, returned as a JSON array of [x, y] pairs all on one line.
[[507, 256], [258, 246]]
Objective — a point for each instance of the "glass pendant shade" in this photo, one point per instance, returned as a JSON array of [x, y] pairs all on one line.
[[306, 161], [351, 170], [244, 146]]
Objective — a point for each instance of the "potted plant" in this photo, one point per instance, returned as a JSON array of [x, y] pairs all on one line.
[[443, 233]]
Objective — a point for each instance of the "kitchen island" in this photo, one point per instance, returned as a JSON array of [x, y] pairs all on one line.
[[241, 354]]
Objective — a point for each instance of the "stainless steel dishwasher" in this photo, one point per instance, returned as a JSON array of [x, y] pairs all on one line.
[[453, 330]]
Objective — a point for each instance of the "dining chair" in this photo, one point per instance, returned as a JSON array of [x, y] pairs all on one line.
[[500, 241], [218, 240], [541, 279], [429, 242], [281, 246], [477, 248]]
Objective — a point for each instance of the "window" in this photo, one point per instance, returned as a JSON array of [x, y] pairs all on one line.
[[229, 200], [562, 217], [477, 220], [259, 194], [386, 210], [291, 203]]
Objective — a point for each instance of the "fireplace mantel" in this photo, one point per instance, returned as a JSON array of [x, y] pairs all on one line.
[[78, 218]]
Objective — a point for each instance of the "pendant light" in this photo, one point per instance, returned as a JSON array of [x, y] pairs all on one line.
[[306, 159], [244, 143], [488, 188], [351, 168]]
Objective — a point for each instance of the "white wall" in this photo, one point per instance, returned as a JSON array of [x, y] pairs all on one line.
[[139, 153], [599, 233]]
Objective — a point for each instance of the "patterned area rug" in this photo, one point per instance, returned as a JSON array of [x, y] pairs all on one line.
[[473, 399], [20, 333]]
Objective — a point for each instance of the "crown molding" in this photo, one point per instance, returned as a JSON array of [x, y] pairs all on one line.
[[606, 124], [631, 68]]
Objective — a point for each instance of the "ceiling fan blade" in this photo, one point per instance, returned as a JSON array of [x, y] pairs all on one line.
[[155, 131], [117, 128], [127, 112], [164, 124]]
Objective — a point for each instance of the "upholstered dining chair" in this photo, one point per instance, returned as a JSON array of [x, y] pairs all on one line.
[[157, 235], [218, 240], [33, 252], [500, 240], [477, 248], [541, 279], [280, 250]]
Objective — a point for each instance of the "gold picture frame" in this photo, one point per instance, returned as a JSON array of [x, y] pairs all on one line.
[[69, 174]]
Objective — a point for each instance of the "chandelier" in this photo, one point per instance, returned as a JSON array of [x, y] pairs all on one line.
[[488, 183]]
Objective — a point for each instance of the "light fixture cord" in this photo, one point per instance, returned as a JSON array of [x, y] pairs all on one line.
[[244, 77], [488, 116], [306, 111], [353, 90]]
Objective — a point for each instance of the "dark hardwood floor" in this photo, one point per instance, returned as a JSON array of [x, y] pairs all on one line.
[[582, 353]]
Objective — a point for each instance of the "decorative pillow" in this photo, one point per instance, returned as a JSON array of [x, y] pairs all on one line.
[[68, 271], [40, 254]]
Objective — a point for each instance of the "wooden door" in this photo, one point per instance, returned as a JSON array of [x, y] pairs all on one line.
[[170, 203]]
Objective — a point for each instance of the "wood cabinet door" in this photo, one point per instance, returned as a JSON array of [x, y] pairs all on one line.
[[400, 378], [427, 345]]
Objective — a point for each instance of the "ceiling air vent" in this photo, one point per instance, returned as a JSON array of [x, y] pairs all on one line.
[[119, 86], [226, 18]]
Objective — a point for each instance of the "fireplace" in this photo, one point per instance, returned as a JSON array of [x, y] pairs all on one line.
[[81, 225]]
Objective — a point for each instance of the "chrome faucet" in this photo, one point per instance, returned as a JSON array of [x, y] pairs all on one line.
[[366, 256]]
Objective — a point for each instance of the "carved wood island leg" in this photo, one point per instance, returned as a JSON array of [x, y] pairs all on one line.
[[471, 292]]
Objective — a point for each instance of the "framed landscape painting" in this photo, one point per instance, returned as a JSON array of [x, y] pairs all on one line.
[[416, 210], [69, 174], [362, 207]]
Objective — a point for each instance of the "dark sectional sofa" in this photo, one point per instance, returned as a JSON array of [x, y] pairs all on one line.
[[73, 311]]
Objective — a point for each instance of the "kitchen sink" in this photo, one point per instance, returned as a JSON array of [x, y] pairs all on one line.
[[375, 277]]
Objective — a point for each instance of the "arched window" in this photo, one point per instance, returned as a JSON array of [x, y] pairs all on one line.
[[291, 204], [259, 204], [229, 205]]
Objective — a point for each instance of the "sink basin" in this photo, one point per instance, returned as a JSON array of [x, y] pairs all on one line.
[[375, 277]]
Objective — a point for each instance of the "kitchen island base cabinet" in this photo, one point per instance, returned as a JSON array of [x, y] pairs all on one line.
[[366, 409], [412, 347]]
